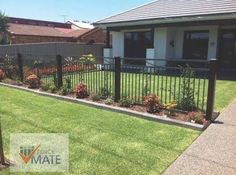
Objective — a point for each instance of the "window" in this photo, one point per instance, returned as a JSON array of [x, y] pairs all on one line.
[[196, 45], [136, 44]]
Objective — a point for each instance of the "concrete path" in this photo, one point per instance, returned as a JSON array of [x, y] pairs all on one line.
[[214, 152]]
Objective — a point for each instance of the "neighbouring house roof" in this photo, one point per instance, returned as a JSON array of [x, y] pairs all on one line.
[[82, 25], [164, 9], [36, 22], [32, 30], [78, 33]]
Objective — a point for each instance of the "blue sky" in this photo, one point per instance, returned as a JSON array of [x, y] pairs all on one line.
[[88, 10]]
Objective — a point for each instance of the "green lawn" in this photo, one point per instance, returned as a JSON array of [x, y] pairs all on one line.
[[225, 93], [101, 142]]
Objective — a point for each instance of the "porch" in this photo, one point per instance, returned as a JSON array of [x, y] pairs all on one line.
[[191, 41]]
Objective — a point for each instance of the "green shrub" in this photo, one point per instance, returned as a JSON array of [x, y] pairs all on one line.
[[105, 93], [96, 97], [7, 81], [64, 90], [186, 100], [89, 58], [45, 87], [68, 83], [109, 101], [53, 88], [126, 102]]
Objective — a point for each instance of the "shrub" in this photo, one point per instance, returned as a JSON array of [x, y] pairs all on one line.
[[196, 117], [109, 101], [9, 67], [64, 90], [45, 87], [186, 100], [52, 88], [152, 103], [126, 102], [81, 91], [170, 107], [33, 81], [68, 83], [2, 75], [96, 97], [105, 93], [87, 58]]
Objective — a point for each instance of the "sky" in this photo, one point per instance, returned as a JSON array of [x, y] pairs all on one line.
[[54, 10]]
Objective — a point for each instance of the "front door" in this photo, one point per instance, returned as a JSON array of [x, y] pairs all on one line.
[[227, 52]]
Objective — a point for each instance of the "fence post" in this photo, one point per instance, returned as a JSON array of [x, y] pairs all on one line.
[[2, 156], [20, 67], [117, 78], [211, 89], [59, 71]]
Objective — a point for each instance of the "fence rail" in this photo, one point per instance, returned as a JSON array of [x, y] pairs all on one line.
[[190, 83]]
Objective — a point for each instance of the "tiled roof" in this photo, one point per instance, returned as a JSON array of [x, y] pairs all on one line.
[[174, 8], [32, 30], [35, 30], [78, 33]]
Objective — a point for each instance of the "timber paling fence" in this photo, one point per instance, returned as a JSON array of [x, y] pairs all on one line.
[[171, 80]]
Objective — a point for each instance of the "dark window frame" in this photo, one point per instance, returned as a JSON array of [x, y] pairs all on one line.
[[186, 45], [135, 46]]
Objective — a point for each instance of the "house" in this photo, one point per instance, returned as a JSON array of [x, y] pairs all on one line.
[[175, 29], [37, 31]]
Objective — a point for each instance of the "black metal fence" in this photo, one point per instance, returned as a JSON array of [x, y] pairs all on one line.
[[189, 83]]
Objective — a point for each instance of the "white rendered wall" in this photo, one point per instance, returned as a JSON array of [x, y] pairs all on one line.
[[160, 45], [117, 44]]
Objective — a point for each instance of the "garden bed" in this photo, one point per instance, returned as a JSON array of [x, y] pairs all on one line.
[[179, 118]]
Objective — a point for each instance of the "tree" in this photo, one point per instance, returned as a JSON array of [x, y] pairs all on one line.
[[3, 28]]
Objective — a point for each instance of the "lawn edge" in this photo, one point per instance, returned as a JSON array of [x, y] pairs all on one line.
[[129, 112]]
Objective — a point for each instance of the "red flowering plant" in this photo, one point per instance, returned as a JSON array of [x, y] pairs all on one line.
[[81, 90], [153, 103], [196, 117], [33, 81], [2, 75]]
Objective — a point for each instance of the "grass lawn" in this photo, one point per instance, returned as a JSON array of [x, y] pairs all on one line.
[[225, 93], [101, 142]]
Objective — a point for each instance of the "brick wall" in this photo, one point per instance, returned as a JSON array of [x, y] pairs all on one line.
[[98, 36]]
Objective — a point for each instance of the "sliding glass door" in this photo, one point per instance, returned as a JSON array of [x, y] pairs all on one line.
[[136, 44], [196, 45]]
